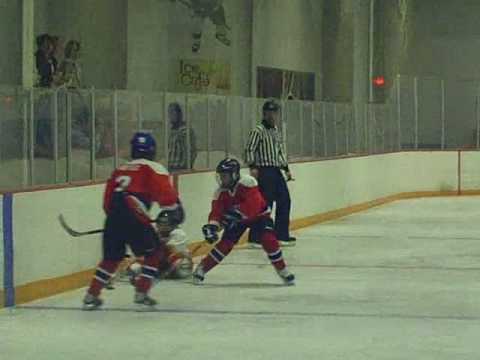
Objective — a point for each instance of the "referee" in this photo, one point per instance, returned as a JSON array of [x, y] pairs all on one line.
[[266, 158]]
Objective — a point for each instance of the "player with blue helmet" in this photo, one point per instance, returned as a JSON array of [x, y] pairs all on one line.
[[129, 194]]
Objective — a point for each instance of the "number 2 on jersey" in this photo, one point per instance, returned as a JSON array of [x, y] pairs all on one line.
[[123, 182]]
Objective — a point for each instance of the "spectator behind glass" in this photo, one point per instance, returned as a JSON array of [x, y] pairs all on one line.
[[68, 75], [46, 66], [45, 61], [57, 46], [69, 70], [177, 141]]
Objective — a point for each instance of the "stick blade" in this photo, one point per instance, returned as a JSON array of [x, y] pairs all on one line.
[[67, 228]]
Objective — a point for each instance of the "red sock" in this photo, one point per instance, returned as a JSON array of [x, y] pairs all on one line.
[[149, 270], [216, 255], [103, 274], [271, 247]]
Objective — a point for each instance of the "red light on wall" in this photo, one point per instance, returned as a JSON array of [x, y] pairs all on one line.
[[379, 81]]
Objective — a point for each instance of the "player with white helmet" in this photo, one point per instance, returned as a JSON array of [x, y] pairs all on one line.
[[177, 262]]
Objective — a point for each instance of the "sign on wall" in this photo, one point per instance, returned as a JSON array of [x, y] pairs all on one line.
[[203, 76]]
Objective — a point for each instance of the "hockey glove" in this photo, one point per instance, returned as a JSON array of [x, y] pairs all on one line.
[[231, 218], [210, 233]]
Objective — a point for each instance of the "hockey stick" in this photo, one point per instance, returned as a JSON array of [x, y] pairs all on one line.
[[74, 233]]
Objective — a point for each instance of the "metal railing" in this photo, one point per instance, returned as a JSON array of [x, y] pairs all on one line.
[[60, 136]]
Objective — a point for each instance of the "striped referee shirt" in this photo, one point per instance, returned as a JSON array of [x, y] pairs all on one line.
[[265, 147], [177, 149]]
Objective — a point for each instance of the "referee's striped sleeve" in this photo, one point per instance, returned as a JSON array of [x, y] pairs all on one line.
[[282, 157], [252, 144], [193, 147]]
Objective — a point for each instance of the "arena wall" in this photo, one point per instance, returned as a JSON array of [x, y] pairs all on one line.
[[469, 171], [2, 254], [49, 261]]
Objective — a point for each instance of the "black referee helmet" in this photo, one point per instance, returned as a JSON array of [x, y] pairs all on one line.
[[270, 105]]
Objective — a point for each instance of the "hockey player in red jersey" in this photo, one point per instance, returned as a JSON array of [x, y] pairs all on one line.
[[129, 193], [237, 205]]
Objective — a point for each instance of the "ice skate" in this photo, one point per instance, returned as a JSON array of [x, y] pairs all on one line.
[[143, 299], [291, 241], [91, 302], [287, 277], [198, 276]]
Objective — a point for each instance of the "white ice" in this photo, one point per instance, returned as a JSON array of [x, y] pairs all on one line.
[[399, 281]]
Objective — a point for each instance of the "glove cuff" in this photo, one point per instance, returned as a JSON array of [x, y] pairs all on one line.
[[214, 222]]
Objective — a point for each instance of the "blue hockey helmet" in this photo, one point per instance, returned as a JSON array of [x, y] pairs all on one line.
[[228, 172], [143, 145]]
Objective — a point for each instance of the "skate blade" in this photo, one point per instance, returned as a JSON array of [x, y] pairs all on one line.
[[145, 308], [197, 282], [89, 307]]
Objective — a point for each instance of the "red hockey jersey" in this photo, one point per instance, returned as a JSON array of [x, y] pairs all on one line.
[[147, 180], [245, 197]]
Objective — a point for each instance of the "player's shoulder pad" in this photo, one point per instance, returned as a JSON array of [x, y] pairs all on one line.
[[156, 167], [248, 181]]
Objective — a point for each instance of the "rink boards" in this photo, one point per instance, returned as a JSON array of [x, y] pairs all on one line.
[[45, 260]]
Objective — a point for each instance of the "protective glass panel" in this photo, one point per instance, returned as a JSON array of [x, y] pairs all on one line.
[[330, 128], [153, 119], [43, 124], [104, 119], [293, 122], [80, 112], [217, 113], [197, 114], [406, 98], [307, 129], [128, 115], [13, 137], [237, 128], [461, 113], [429, 113]]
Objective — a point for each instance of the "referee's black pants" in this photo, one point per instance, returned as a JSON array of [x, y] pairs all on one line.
[[274, 188]]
